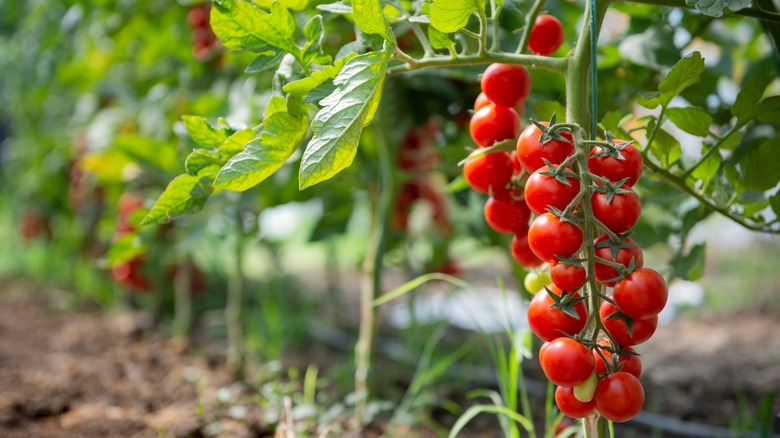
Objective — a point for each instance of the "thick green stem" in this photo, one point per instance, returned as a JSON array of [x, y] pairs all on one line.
[[530, 18], [372, 277], [553, 64], [235, 292]]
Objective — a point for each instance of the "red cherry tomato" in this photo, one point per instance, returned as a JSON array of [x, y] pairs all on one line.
[[569, 405], [615, 169], [506, 84], [619, 397], [506, 213], [515, 164], [551, 323], [522, 253], [624, 256], [621, 213], [198, 16], [493, 123], [566, 362], [628, 363], [642, 329], [550, 237], [482, 100], [546, 35], [642, 294], [131, 275], [542, 191], [531, 152], [488, 172], [568, 277]]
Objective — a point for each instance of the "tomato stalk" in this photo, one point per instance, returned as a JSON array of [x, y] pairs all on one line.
[[530, 18], [235, 292]]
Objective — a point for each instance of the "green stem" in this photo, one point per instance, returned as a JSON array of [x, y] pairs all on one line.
[[182, 295], [659, 121], [483, 30], [372, 276], [553, 64], [235, 291], [530, 18], [746, 12], [426, 45], [713, 149]]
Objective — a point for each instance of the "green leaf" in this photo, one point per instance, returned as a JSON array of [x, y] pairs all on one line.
[[774, 202], [716, 8], [666, 148], [684, 74], [240, 25], [284, 127], [760, 169], [746, 105], [125, 248], [545, 109], [204, 133], [202, 158], [186, 194], [338, 125], [336, 8], [613, 120], [731, 142], [689, 266], [450, 16], [691, 120], [319, 77], [752, 209], [266, 60], [708, 168], [769, 110], [654, 48], [370, 19], [439, 40]]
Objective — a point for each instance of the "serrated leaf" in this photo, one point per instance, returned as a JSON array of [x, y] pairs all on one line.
[[241, 25], [439, 40], [202, 158], [265, 60], [691, 120], [716, 8], [450, 16], [708, 168], [760, 169], [684, 74], [186, 194], [746, 105], [261, 157], [338, 125], [666, 148], [306, 85], [370, 19], [204, 133]]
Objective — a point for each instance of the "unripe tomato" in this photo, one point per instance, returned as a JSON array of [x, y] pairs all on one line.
[[506, 213], [549, 322], [642, 329], [628, 363], [621, 213], [624, 256], [567, 362], [506, 84], [619, 397], [615, 169], [488, 172], [642, 294], [546, 35], [569, 405], [522, 253], [549, 237], [568, 277], [493, 123], [543, 191], [534, 281], [531, 152]]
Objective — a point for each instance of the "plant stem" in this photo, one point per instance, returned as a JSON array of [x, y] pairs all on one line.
[[372, 276], [530, 18], [235, 292], [714, 148], [553, 64], [590, 426], [182, 295], [746, 12]]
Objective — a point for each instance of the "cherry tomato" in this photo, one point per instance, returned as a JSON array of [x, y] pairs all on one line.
[[198, 16], [643, 329], [506, 84], [130, 274], [615, 169], [493, 123], [550, 323], [550, 237], [515, 164], [506, 213], [568, 277], [544, 346], [569, 405], [621, 213], [567, 362], [481, 100], [546, 35], [534, 281], [531, 152], [522, 252], [619, 396], [542, 191], [628, 363], [642, 294], [488, 172], [624, 256]]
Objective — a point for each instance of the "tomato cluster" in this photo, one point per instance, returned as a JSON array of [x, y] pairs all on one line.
[[204, 42]]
